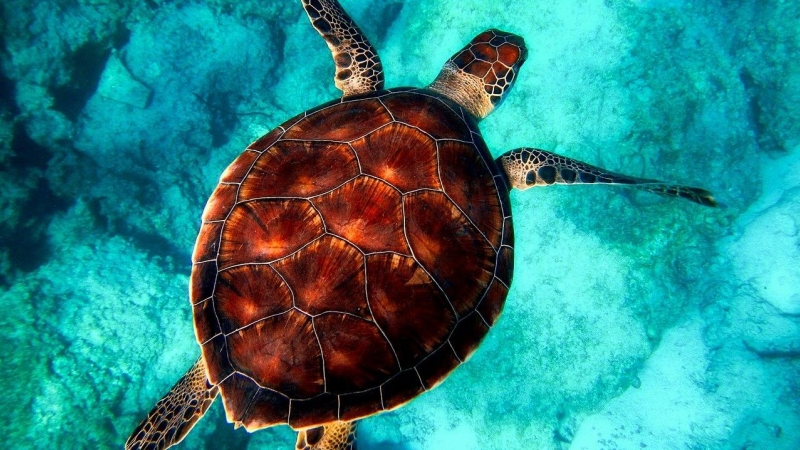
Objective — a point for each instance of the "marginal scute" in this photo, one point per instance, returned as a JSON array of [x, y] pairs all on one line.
[[313, 411], [400, 389], [408, 306], [299, 169], [357, 356], [239, 168], [492, 304], [359, 404], [201, 284], [435, 227], [326, 275], [437, 366], [505, 264], [205, 321], [367, 212], [220, 202], [280, 353], [207, 244], [401, 155], [215, 354], [468, 334], [237, 393], [267, 408], [266, 230]]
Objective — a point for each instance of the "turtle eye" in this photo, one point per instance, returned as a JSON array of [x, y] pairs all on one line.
[[530, 178]]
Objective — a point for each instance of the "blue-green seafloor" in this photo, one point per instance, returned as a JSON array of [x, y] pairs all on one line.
[[633, 321]]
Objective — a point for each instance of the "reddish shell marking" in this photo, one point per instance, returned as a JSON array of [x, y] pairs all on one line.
[[353, 250]]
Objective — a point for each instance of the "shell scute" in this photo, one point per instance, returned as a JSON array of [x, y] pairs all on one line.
[[437, 365], [299, 169], [429, 113], [478, 198], [249, 293], [357, 356], [401, 389], [239, 168], [436, 227], [359, 404], [326, 275], [207, 242], [220, 202], [341, 122], [313, 411], [280, 353], [267, 230], [367, 212], [400, 155], [408, 306], [351, 262]]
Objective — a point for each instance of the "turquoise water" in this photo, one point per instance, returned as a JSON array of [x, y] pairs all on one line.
[[633, 321]]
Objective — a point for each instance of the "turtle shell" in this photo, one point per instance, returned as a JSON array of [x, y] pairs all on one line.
[[350, 259]]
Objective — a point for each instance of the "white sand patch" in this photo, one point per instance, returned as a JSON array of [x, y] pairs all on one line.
[[767, 254], [671, 409]]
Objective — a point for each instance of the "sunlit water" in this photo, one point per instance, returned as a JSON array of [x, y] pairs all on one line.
[[633, 321]]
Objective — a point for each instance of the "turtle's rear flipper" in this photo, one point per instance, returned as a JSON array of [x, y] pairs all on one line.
[[174, 415], [334, 436], [529, 167], [358, 67]]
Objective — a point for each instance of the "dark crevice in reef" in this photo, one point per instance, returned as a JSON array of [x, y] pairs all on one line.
[[7, 102], [27, 243], [26, 240], [384, 13], [86, 66], [121, 37], [222, 115], [160, 249], [27, 154], [754, 110]]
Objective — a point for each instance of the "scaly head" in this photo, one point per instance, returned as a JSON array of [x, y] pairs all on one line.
[[480, 75]]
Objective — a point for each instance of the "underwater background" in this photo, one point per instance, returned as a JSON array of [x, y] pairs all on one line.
[[633, 321]]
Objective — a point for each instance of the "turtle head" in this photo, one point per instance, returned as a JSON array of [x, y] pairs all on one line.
[[480, 75]]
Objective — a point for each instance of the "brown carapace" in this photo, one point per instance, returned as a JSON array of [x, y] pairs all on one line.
[[350, 259], [354, 267]]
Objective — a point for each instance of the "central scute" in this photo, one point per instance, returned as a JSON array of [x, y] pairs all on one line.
[[349, 260]]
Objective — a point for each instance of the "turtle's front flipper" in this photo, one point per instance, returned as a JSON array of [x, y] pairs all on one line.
[[174, 415], [358, 67], [528, 167], [334, 436]]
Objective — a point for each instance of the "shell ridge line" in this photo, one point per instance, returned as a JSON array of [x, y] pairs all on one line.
[[278, 259], [482, 319], [421, 383], [453, 348], [322, 355], [416, 260], [358, 160], [369, 306], [320, 141], [366, 175], [312, 197], [469, 219], [255, 322], [379, 98]]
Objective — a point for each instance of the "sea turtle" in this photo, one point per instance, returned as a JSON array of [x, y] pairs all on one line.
[[350, 259]]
